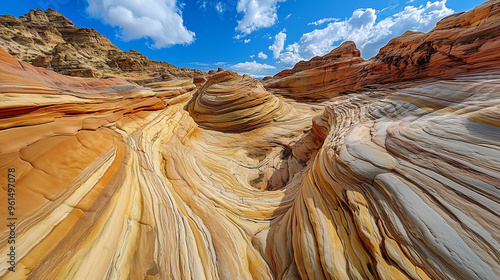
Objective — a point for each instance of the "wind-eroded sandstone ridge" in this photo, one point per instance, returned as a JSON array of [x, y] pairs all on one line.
[[120, 181], [232, 103], [459, 43], [346, 53], [50, 40]]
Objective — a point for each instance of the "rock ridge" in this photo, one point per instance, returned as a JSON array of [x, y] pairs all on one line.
[[459, 43]]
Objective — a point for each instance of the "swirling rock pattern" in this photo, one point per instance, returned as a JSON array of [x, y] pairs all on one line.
[[231, 103], [403, 172], [178, 180]]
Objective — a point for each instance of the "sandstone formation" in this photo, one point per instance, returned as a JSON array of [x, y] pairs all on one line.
[[231, 103], [459, 43], [346, 52], [222, 179], [50, 40]]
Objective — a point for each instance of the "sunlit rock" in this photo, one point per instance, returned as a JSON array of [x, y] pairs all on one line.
[[224, 178]]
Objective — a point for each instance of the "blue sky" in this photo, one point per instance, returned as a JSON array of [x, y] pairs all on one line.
[[256, 37]]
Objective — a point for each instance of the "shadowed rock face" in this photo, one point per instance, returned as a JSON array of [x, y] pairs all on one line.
[[221, 179], [50, 40]]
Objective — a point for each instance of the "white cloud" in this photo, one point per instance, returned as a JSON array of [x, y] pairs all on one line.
[[160, 20], [278, 45], [256, 14], [254, 69], [363, 29], [247, 41], [262, 55], [200, 63], [202, 4], [288, 16], [323, 20], [252, 56], [220, 7]]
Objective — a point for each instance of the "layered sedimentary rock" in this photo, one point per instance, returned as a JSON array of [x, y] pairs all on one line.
[[458, 44], [232, 103], [414, 174], [50, 40], [346, 52], [221, 179]]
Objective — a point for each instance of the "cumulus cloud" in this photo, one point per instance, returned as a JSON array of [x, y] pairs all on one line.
[[278, 45], [262, 55], [256, 14], [323, 20], [246, 41], [363, 29], [254, 69], [159, 20]]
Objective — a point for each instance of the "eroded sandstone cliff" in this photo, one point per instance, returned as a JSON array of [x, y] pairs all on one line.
[[50, 40], [224, 179], [459, 43]]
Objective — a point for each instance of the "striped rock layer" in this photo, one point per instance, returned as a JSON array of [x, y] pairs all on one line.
[[459, 43], [226, 180], [229, 102]]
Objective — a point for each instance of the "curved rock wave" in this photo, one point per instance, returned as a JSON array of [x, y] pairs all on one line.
[[380, 185], [119, 181], [405, 186], [232, 103]]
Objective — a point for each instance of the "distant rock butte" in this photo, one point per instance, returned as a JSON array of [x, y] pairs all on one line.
[[50, 40], [219, 177], [346, 52]]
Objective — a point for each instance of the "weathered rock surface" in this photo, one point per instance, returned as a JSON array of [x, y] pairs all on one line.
[[407, 172], [228, 181], [50, 40], [346, 53], [232, 103], [458, 44]]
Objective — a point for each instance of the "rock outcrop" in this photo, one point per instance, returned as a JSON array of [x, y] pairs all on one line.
[[50, 40], [458, 44], [232, 103], [405, 174], [346, 52], [221, 179]]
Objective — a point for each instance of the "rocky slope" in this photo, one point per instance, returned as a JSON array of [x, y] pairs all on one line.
[[50, 40], [226, 180]]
